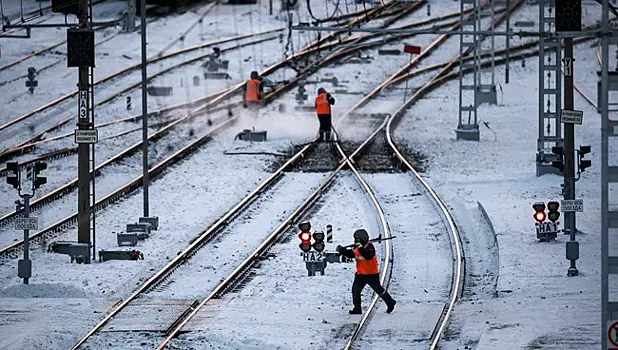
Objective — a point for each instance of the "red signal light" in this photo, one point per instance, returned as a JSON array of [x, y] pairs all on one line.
[[540, 216], [305, 236]]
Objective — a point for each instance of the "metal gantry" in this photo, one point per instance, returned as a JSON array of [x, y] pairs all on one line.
[[550, 90], [486, 77], [467, 125], [479, 87]]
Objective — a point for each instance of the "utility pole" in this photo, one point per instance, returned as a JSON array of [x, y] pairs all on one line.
[[83, 149], [144, 108], [569, 150]]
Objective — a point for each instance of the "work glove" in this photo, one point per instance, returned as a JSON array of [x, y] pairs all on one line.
[[339, 248]]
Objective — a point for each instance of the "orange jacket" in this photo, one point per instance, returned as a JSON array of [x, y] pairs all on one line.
[[322, 104], [253, 89], [366, 267]]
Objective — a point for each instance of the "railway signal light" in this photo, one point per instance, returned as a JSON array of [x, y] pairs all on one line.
[[12, 177], [31, 83], [539, 212], [305, 236], [553, 214], [39, 180], [559, 164], [584, 163], [305, 241], [318, 245]]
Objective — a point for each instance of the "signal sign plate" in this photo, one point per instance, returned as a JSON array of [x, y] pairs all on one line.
[[86, 136], [572, 205], [571, 117], [31, 223], [312, 256], [82, 104], [546, 228]]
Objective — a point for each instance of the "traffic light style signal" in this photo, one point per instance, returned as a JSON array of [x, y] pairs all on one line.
[[554, 214], [31, 83], [539, 212], [584, 163], [318, 245], [305, 241], [12, 177], [559, 164], [39, 180]]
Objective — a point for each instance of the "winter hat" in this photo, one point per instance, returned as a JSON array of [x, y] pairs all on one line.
[[361, 235]]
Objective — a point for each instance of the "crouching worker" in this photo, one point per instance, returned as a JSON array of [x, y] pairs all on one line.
[[367, 271]]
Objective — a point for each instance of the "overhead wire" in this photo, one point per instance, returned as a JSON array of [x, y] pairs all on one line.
[[328, 18]]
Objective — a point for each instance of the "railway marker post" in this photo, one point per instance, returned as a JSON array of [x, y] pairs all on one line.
[[80, 54], [569, 18]]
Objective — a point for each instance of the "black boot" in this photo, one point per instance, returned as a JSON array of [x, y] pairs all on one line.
[[390, 302], [356, 311]]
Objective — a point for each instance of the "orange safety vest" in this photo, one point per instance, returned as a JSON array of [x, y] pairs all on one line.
[[321, 104], [252, 93], [366, 267]]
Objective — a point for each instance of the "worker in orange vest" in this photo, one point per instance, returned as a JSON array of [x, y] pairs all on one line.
[[322, 107], [367, 271], [253, 91]]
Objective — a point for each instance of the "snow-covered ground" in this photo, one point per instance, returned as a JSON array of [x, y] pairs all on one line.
[[532, 297]]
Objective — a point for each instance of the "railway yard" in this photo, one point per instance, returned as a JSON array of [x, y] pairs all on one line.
[[224, 270]]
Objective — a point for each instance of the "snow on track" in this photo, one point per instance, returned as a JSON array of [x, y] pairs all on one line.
[[192, 196], [422, 266], [218, 258], [281, 306]]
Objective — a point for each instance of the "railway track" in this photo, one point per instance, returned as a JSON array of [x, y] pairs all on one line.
[[11, 250], [47, 10], [46, 125], [276, 235], [28, 145]]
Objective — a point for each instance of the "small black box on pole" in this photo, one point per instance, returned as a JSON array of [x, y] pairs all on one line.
[[80, 48], [568, 15]]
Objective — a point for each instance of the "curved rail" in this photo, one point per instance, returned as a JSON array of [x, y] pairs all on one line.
[[459, 270]]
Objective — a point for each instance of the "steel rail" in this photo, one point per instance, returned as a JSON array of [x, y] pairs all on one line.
[[269, 241], [204, 237], [155, 136], [459, 274], [304, 51], [134, 67], [26, 147], [49, 48], [272, 238], [70, 186]]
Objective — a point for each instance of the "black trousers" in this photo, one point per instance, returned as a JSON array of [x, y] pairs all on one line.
[[325, 126], [360, 281]]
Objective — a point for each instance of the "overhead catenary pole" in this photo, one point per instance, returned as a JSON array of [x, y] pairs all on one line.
[[144, 108], [607, 308], [569, 151], [83, 149]]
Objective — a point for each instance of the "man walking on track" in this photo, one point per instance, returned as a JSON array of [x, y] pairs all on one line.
[[367, 271], [322, 107]]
